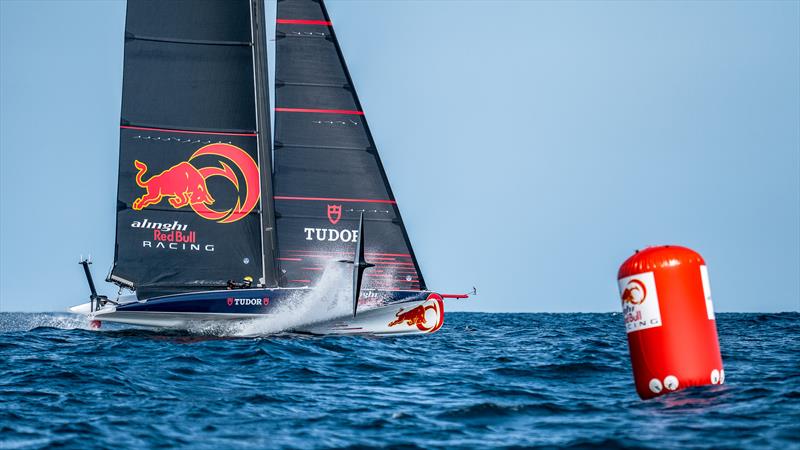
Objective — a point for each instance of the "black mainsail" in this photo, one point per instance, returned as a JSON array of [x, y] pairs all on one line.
[[327, 169], [190, 214]]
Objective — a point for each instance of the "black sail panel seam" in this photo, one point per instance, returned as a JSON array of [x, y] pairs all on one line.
[[135, 37], [284, 35], [184, 129], [280, 84], [323, 147]]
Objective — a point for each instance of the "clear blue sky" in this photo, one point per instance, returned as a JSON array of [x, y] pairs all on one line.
[[532, 146]]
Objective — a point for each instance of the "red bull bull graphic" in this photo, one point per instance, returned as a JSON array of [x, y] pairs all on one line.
[[185, 184], [427, 317]]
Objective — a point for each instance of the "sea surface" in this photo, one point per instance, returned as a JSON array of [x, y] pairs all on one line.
[[484, 380]]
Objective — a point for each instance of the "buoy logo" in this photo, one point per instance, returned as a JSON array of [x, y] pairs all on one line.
[[184, 184], [635, 292], [639, 302]]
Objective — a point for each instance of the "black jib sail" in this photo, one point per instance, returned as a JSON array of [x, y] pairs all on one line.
[[189, 211], [327, 169]]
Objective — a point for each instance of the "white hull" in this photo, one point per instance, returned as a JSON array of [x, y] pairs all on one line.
[[416, 317]]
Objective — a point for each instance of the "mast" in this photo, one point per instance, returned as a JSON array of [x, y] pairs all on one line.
[[264, 131]]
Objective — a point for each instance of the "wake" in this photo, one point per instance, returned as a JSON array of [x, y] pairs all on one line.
[[15, 322]]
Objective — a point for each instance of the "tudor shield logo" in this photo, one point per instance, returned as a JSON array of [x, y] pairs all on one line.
[[334, 213], [184, 184]]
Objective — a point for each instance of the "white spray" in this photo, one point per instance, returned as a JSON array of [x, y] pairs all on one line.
[[331, 298]]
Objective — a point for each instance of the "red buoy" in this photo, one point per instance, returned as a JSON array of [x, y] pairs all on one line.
[[669, 317], [95, 324]]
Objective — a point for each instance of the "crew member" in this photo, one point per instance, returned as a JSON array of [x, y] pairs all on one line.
[[247, 283]]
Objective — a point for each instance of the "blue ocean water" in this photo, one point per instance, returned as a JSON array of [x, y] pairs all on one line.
[[484, 380]]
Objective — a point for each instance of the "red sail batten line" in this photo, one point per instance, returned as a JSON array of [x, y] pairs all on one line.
[[406, 255], [321, 111], [304, 22], [289, 259], [325, 199], [300, 281], [168, 130]]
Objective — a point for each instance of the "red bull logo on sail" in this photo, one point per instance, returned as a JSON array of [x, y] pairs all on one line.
[[184, 184]]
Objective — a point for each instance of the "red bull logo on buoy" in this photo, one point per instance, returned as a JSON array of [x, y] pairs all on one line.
[[640, 302], [635, 292]]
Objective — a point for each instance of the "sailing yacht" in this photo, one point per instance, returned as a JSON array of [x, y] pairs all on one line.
[[218, 219]]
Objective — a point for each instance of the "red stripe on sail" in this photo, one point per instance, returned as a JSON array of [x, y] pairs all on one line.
[[321, 111], [321, 253], [168, 130], [304, 22], [326, 199], [289, 259]]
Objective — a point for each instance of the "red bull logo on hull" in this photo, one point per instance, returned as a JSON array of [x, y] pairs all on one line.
[[184, 184], [427, 317]]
